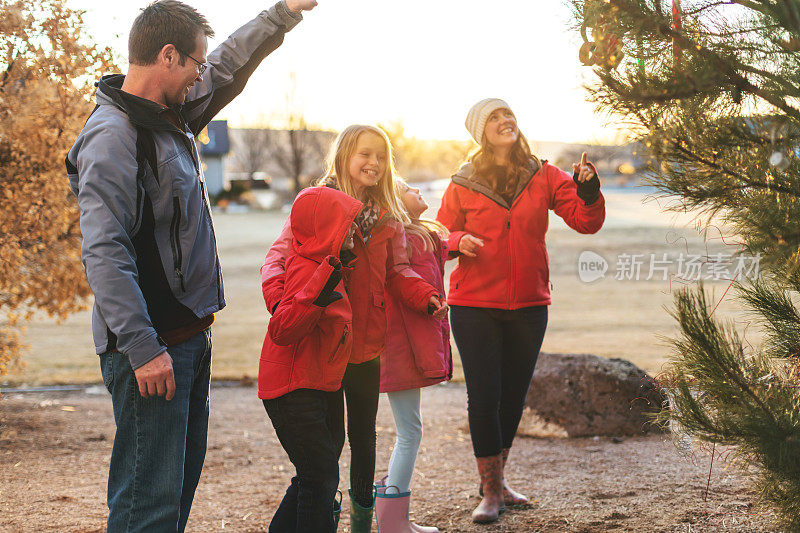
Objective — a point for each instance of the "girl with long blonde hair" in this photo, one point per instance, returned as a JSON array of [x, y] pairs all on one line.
[[361, 166], [417, 355]]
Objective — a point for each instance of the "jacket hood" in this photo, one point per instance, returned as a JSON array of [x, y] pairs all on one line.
[[466, 170], [320, 219], [140, 111], [478, 184]]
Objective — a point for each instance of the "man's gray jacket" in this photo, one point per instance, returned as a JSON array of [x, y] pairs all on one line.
[[148, 241]]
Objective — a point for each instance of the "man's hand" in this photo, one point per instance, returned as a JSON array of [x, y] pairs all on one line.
[[155, 377], [469, 245], [301, 5], [439, 307]]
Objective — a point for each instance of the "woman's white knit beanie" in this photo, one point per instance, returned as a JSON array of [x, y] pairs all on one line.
[[476, 118]]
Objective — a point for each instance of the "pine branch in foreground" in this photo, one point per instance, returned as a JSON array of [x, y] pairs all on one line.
[[711, 89], [724, 395]]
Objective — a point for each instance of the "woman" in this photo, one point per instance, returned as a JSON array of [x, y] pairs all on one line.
[[496, 209]]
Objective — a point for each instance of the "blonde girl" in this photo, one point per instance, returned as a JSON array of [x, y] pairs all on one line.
[[361, 166]]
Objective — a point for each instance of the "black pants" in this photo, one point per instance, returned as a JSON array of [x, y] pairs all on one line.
[[498, 351], [310, 426], [361, 386]]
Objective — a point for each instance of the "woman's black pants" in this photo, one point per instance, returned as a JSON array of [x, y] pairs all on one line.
[[498, 351]]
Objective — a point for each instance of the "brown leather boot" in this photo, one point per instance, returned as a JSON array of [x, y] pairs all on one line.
[[491, 472], [510, 496]]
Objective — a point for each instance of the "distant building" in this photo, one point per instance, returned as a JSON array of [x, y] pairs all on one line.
[[214, 146], [267, 158]]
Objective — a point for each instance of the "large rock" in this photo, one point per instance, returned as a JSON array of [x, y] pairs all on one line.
[[584, 395]]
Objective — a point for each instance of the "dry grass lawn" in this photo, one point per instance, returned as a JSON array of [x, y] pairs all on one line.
[[608, 317]]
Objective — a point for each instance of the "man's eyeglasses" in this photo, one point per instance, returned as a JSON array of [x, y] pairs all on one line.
[[201, 67]]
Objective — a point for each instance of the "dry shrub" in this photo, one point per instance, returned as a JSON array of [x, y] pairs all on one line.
[[47, 70]]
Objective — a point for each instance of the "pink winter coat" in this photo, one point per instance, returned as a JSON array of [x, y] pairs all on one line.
[[417, 352]]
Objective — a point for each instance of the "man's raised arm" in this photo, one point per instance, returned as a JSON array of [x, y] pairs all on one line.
[[231, 64]]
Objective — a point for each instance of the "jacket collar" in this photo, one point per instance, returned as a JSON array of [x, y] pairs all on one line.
[[140, 111], [465, 178], [380, 212]]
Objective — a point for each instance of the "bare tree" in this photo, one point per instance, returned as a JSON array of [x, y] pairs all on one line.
[[252, 150], [299, 151]]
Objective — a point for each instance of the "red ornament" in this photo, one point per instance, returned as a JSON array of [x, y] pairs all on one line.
[[676, 27]]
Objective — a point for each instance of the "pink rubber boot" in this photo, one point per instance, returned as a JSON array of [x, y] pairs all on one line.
[[391, 510], [380, 488]]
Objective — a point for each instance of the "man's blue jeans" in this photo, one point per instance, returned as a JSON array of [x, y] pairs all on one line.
[[160, 445]]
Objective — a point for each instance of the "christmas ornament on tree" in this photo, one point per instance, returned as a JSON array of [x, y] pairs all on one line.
[[676, 26], [778, 160], [605, 48]]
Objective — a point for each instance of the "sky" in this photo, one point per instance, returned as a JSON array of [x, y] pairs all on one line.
[[421, 62]]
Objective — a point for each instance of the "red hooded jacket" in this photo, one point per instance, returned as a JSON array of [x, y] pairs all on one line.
[[381, 263], [417, 346], [307, 345], [511, 270]]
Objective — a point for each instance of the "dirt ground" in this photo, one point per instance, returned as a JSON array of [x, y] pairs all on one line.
[[55, 448]]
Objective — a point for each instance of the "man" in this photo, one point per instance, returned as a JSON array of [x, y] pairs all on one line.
[[149, 248]]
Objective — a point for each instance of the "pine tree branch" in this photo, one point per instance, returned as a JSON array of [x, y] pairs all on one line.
[[755, 6], [774, 77], [736, 79], [774, 309], [695, 306], [734, 33], [767, 186], [705, 7], [710, 147], [697, 158]]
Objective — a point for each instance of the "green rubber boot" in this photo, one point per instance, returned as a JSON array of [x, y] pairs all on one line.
[[360, 517], [337, 510]]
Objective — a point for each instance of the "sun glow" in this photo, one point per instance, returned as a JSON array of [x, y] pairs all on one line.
[[417, 62]]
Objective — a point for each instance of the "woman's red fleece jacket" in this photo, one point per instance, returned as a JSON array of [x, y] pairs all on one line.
[[511, 270]]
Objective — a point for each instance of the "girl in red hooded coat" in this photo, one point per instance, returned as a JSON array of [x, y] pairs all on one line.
[[361, 166], [305, 354]]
